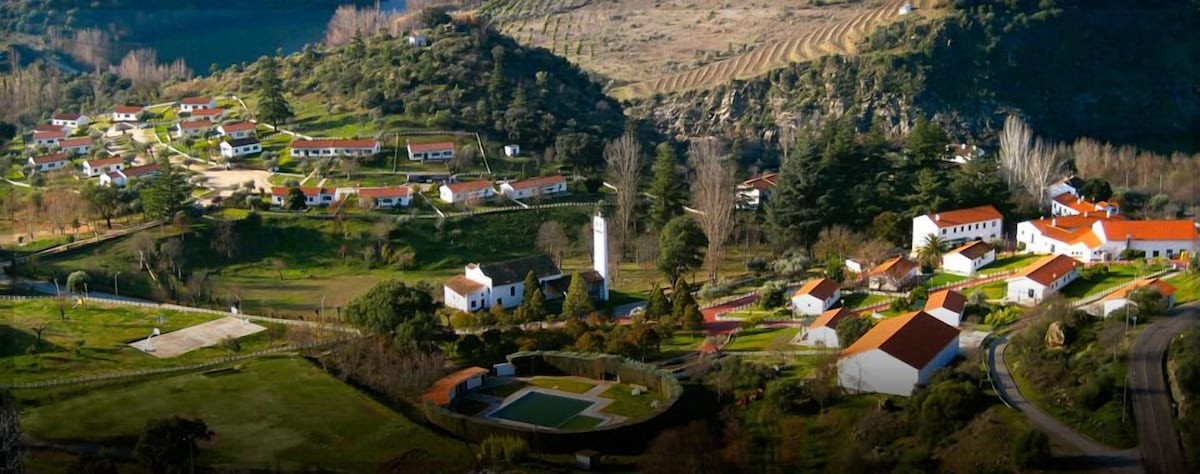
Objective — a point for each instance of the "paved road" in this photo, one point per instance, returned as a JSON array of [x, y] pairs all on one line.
[[1152, 406], [1066, 439]]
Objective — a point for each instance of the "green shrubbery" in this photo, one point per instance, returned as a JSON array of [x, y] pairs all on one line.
[[503, 449]]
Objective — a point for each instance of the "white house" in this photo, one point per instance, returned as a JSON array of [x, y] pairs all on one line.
[[1118, 299], [1068, 185], [121, 178], [78, 146], [212, 115], [239, 147], [313, 196], [947, 306], [894, 274], [483, 285], [48, 138], [95, 168], [1091, 238], [962, 153], [466, 192], [958, 226], [1041, 279], [897, 355], [384, 197], [904, 9], [193, 128], [1067, 204], [53, 162], [823, 331], [419, 41], [439, 151], [512, 150], [816, 296], [754, 191], [127, 113], [333, 147], [968, 258], [855, 265], [72, 121], [544, 186], [192, 104], [236, 130]]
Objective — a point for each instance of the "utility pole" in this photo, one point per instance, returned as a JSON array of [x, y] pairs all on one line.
[[116, 290]]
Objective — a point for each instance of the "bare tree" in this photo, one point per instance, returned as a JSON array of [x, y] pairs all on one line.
[[624, 159], [552, 240], [141, 66], [836, 241], [349, 166], [464, 159], [712, 195], [349, 21], [224, 240], [787, 141], [1028, 162]]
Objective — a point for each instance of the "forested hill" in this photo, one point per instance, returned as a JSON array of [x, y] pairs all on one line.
[[1111, 69], [471, 78]]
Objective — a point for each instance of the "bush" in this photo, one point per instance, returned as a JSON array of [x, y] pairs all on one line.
[[1032, 449], [231, 344], [790, 265], [771, 295], [711, 291], [1132, 254], [756, 265], [1002, 316], [1094, 272], [506, 449]]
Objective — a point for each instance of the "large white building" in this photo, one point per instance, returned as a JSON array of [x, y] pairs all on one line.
[[1097, 237], [897, 355], [240, 147], [958, 226], [968, 258], [816, 296], [823, 331], [1043, 278]]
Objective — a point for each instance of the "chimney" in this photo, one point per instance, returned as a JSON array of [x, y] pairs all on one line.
[[1054, 222], [1108, 213], [937, 217]]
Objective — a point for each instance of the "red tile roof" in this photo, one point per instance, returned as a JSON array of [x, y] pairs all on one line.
[[196, 100], [129, 109], [1165, 289], [104, 162], [832, 317], [307, 190], [70, 117], [440, 393], [965, 216], [208, 112], [463, 285], [49, 135], [74, 142], [1079, 204], [469, 186], [46, 127], [898, 267], [387, 192], [333, 143], [237, 127], [762, 183], [424, 147], [538, 182], [1047, 269], [142, 170], [915, 338], [973, 249], [41, 160], [821, 288], [948, 299], [1181, 229]]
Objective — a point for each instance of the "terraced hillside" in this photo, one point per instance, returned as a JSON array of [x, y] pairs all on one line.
[[628, 41], [839, 38]]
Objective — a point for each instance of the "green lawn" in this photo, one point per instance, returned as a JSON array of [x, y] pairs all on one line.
[[280, 413], [628, 405], [859, 300], [1117, 275], [763, 339], [94, 339], [1015, 262], [940, 279], [1188, 288], [680, 343], [993, 291], [563, 384]]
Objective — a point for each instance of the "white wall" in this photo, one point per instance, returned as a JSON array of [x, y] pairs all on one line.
[[959, 264], [876, 371], [810, 305], [943, 358], [1018, 289], [946, 316], [823, 336], [924, 225]]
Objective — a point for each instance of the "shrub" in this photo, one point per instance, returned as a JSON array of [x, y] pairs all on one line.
[[231, 344], [1002, 316], [756, 265], [1032, 449], [506, 449], [771, 295], [1131, 254], [714, 290], [790, 265]]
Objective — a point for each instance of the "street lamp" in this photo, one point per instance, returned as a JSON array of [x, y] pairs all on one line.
[[116, 290]]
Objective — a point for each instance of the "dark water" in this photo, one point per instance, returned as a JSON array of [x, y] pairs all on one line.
[[223, 35]]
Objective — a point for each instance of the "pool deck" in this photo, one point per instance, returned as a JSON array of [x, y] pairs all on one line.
[[592, 395]]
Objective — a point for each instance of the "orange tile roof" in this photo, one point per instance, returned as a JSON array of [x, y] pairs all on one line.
[[463, 285], [129, 109], [207, 112], [424, 147], [973, 249], [49, 135], [1047, 269], [832, 317], [195, 124], [821, 288], [386, 192], [762, 183], [965, 216], [69, 116], [440, 392], [74, 142], [914, 338], [1181, 229], [237, 127], [334, 143], [196, 100], [898, 266], [469, 186], [1165, 289], [538, 182], [45, 127], [307, 190], [948, 299], [41, 160], [1079, 204], [104, 162], [142, 170]]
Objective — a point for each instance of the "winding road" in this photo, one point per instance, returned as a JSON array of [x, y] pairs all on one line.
[[1152, 405]]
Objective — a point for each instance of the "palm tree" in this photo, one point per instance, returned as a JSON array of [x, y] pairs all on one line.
[[930, 253]]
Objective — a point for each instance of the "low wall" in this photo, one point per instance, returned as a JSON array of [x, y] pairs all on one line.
[[628, 437]]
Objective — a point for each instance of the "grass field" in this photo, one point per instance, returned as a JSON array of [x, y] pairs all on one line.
[[1188, 288], [763, 339], [859, 300], [93, 339], [542, 409], [993, 291], [680, 343], [628, 405], [1015, 262], [1117, 275], [280, 413], [564, 384], [940, 279]]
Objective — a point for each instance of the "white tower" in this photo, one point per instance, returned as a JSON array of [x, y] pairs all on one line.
[[600, 251]]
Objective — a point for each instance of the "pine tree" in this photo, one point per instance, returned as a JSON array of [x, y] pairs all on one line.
[[273, 107], [693, 320], [667, 188], [578, 303], [166, 193], [681, 298], [793, 212], [533, 302], [658, 306]]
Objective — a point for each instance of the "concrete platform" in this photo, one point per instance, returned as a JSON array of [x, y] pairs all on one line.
[[189, 339]]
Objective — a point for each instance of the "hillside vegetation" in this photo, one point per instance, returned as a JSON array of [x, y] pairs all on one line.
[[972, 66]]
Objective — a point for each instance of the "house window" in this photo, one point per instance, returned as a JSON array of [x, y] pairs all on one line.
[[1030, 292], [473, 304], [512, 291], [1154, 254], [943, 231]]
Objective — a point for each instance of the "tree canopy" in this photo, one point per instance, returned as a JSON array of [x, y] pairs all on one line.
[[681, 248], [389, 303]]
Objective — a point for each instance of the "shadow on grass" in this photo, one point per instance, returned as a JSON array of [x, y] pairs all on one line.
[[14, 342]]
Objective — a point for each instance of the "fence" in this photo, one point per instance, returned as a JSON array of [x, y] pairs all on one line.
[[168, 370], [84, 243], [1092, 298]]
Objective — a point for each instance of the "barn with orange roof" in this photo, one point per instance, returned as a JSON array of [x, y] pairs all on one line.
[[897, 355]]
